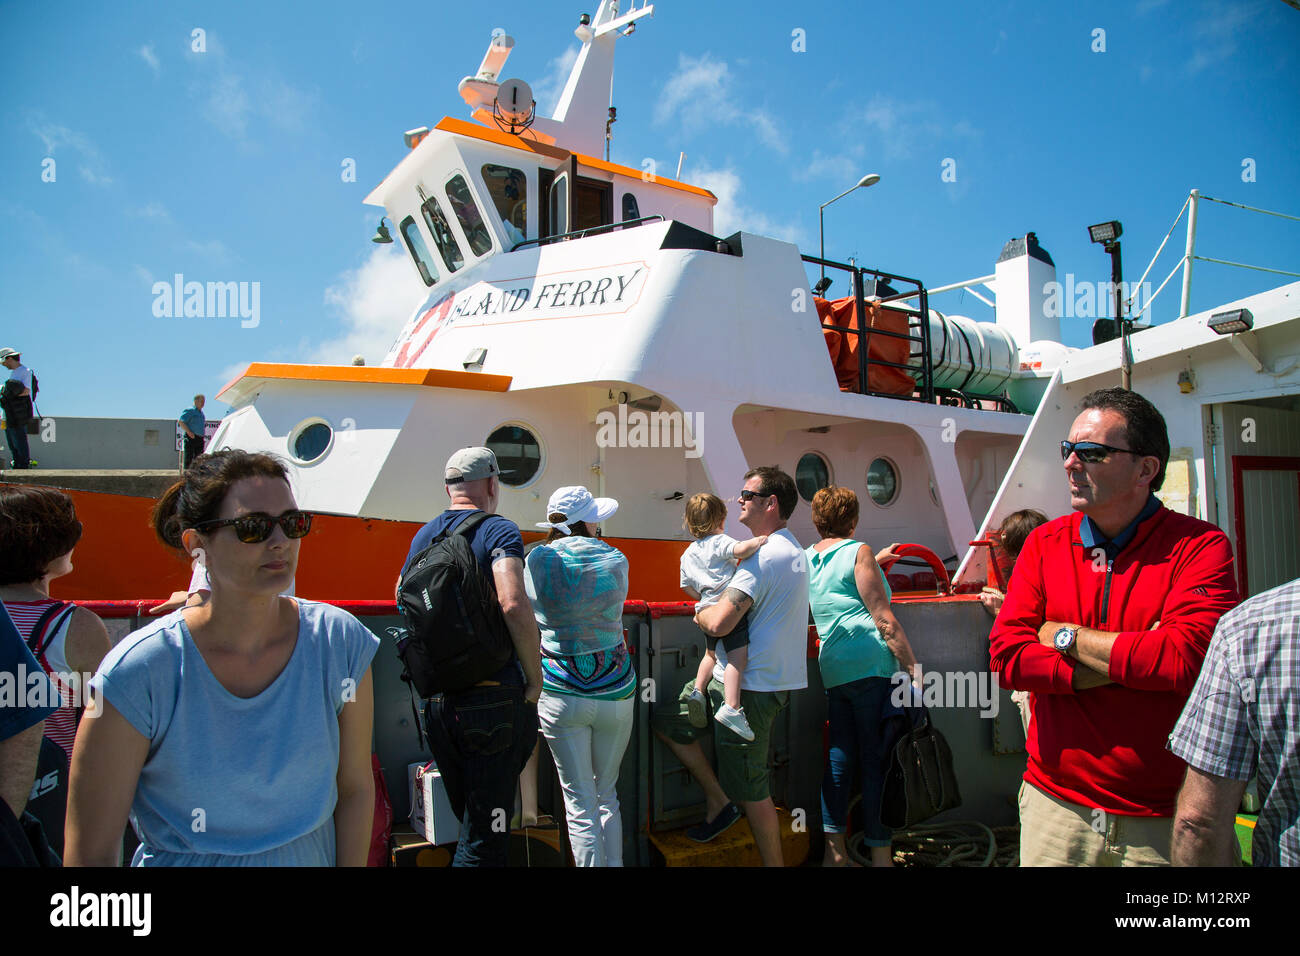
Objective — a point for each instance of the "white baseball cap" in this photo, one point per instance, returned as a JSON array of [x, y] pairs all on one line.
[[576, 504]]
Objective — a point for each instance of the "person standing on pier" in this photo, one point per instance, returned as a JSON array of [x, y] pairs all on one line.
[[18, 408], [192, 424]]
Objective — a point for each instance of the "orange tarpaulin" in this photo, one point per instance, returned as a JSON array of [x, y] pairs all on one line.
[[843, 346]]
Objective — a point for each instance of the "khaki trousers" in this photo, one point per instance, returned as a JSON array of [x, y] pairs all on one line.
[[1055, 832]]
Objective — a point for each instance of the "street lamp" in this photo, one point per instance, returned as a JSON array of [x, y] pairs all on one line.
[[1106, 234], [868, 180]]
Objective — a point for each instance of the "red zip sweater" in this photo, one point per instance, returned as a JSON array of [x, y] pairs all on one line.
[[1164, 593]]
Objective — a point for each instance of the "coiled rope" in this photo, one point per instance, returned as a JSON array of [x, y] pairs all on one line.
[[957, 843]]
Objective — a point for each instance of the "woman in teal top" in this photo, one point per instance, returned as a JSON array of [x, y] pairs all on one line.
[[577, 585], [862, 647]]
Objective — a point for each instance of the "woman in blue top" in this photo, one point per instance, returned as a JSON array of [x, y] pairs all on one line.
[[577, 584], [862, 647], [236, 732]]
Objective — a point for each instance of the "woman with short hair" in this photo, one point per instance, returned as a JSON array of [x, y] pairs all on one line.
[[38, 532], [577, 584], [862, 646], [237, 731]]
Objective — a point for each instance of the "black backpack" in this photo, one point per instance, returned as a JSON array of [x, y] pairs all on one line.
[[455, 633]]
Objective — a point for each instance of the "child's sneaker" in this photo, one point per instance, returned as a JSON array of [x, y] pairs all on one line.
[[697, 710], [733, 718]]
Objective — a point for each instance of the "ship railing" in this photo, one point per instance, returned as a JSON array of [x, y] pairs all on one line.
[[920, 364], [589, 231], [1191, 206]]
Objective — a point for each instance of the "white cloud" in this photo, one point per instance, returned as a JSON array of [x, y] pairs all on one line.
[[548, 89], [905, 126], [55, 137], [227, 106], [1214, 35], [838, 167], [214, 250], [234, 97], [147, 54], [731, 214], [701, 94], [154, 210], [373, 300]]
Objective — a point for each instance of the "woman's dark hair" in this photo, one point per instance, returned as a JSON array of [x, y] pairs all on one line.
[[1015, 529], [197, 497], [37, 525], [579, 529]]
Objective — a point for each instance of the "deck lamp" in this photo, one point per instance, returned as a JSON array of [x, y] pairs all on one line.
[[822, 285], [1225, 323], [381, 234], [868, 180], [1106, 234]]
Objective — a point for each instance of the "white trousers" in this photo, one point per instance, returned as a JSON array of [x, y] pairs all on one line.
[[587, 738]]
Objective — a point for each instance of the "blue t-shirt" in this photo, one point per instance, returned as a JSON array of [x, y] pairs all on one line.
[[233, 781], [495, 537], [193, 419], [19, 674]]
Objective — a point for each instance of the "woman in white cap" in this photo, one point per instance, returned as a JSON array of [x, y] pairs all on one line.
[[577, 584]]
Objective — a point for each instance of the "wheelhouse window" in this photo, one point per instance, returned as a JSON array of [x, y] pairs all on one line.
[[508, 188], [466, 210], [630, 209], [418, 250], [560, 205], [443, 237]]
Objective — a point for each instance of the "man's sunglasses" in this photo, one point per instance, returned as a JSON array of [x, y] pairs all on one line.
[[748, 495], [256, 528], [1090, 452]]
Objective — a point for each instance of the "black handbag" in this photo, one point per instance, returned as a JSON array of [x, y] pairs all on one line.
[[920, 781]]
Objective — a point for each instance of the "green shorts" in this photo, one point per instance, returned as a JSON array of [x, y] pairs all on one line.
[[743, 770]]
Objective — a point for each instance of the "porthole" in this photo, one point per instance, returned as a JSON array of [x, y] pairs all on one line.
[[882, 481], [811, 475], [310, 441], [518, 454]]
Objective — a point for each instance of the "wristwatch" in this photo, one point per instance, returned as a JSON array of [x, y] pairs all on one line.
[[1063, 639]]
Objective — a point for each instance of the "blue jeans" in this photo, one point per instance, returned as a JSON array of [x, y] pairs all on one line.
[[481, 738], [17, 435], [856, 744]]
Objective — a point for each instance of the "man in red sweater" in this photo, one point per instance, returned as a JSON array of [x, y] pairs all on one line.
[[1106, 621]]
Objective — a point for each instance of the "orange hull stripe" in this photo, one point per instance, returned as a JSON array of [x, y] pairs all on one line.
[[343, 559]]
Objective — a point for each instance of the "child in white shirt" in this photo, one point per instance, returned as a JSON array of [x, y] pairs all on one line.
[[706, 569]]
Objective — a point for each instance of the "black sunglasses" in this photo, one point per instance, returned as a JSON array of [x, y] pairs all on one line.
[[746, 495], [1090, 452], [256, 528]]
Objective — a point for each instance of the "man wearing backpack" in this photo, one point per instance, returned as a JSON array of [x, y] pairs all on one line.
[[16, 399], [481, 735]]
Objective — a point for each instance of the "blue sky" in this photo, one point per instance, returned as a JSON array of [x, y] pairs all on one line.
[[225, 165]]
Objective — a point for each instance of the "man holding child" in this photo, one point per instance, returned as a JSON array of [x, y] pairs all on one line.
[[773, 586]]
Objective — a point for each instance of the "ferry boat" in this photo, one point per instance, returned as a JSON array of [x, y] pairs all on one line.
[[584, 320]]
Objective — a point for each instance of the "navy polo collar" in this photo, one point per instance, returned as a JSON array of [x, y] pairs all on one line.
[[1092, 537]]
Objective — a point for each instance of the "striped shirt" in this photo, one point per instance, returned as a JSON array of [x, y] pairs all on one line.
[[1242, 718], [60, 726]]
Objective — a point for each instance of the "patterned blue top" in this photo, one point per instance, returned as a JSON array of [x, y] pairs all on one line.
[[577, 586], [1241, 720], [234, 781]]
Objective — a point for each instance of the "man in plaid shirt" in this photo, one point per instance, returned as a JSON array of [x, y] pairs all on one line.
[[1242, 718]]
